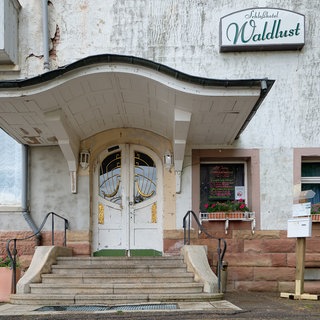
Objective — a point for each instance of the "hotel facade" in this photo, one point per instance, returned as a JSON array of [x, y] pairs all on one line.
[[132, 113]]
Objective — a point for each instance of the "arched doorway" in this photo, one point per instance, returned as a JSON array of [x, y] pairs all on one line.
[[127, 202]]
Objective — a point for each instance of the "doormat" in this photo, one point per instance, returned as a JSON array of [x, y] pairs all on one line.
[[92, 308], [124, 253]]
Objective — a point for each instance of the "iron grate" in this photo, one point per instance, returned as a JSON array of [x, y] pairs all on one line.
[[92, 308]]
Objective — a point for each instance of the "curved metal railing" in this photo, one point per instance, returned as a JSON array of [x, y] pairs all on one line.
[[187, 232], [13, 254]]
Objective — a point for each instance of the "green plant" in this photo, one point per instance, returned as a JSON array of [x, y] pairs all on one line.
[[315, 208], [5, 261], [228, 206]]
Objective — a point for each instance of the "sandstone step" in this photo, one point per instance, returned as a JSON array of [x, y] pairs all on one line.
[[69, 299], [114, 268], [148, 288], [119, 278], [170, 260]]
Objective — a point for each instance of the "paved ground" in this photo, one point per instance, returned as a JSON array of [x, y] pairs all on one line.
[[237, 306]]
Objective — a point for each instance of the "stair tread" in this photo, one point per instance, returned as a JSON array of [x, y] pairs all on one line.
[[121, 275], [110, 296], [120, 285], [115, 266]]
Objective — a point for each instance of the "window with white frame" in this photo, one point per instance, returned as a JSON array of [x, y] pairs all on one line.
[[222, 182], [310, 178]]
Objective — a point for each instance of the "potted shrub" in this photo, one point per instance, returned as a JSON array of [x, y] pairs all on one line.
[[6, 278]]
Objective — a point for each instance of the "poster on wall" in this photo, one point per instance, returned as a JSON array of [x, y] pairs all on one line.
[[262, 29], [223, 180], [239, 192]]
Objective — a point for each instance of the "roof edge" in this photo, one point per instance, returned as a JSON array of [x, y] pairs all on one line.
[[132, 60]]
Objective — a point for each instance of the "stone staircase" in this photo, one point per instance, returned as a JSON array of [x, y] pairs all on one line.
[[115, 280]]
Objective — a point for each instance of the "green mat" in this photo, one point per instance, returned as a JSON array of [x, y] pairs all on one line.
[[123, 253]]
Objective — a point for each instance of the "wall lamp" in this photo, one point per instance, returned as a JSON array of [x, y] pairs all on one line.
[[84, 159], [264, 85], [168, 160]]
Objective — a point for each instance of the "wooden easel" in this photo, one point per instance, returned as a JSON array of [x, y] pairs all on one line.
[[299, 281], [300, 265]]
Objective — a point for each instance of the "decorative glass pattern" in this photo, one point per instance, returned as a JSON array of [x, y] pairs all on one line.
[[110, 178], [143, 185], [145, 177]]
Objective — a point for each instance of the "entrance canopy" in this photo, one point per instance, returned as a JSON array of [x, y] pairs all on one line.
[[69, 104]]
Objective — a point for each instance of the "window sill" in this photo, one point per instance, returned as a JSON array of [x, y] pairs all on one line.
[[4, 208]]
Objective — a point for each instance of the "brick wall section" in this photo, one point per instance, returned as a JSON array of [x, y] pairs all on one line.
[[25, 248], [77, 240], [263, 261]]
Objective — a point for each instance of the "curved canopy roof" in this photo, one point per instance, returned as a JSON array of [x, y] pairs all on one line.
[[72, 103]]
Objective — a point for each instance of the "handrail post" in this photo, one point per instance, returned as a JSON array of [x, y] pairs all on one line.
[[219, 265], [14, 266], [65, 233], [52, 228], [189, 231]]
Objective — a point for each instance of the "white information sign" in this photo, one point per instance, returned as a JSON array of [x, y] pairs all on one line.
[[240, 192], [301, 209], [299, 227]]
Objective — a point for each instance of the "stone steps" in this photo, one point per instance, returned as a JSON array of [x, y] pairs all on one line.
[[115, 280]]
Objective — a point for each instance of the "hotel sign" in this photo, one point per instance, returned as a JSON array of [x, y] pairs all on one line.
[[261, 29]]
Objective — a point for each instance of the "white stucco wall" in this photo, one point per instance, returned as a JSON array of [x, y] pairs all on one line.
[[184, 34], [50, 190]]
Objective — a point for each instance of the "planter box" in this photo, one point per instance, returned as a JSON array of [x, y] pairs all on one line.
[[315, 217], [239, 215], [6, 287]]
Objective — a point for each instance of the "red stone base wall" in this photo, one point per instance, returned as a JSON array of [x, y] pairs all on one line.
[[263, 261], [77, 240]]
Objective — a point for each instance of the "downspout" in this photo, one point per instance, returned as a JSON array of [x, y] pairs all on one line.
[[24, 192], [45, 31]]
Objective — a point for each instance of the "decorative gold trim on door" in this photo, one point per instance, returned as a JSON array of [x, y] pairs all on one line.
[[154, 213], [101, 213]]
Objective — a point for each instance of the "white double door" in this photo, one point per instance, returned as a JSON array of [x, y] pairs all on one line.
[[128, 200]]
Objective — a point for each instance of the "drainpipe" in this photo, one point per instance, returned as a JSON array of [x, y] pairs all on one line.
[[24, 192], [45, 31]]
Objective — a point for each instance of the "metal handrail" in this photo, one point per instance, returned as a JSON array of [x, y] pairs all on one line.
[[186, 235], [13, 255]]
